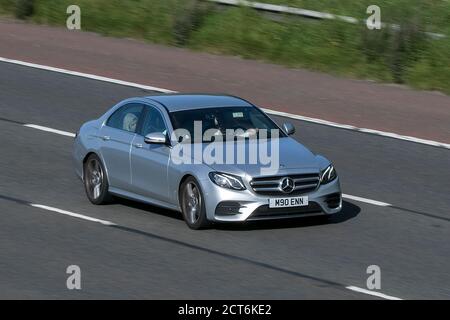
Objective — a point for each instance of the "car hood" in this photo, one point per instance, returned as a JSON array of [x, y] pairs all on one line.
[[293, 157]]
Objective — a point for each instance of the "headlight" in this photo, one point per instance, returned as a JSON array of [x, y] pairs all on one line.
[[328, 175], [226, 180]]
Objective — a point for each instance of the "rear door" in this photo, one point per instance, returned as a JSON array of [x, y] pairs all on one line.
[[117, 136]]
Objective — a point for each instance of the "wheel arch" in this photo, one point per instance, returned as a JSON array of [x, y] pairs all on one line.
[[88, 154]]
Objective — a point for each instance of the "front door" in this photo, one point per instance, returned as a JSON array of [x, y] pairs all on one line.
[[149, 162]]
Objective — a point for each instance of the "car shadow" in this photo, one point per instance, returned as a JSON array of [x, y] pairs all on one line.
[[148, 208], [349, 211]]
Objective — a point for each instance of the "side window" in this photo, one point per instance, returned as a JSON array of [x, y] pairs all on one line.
[[153, 122], [126, 117]]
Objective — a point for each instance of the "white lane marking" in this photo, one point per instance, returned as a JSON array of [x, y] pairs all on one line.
[[85, 75], [370, 201], [353, 128], [372, 293], [274, 112], [47, 129], [72, 214]]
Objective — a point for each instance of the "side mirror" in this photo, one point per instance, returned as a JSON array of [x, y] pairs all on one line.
[[155, 138], [288, 128]]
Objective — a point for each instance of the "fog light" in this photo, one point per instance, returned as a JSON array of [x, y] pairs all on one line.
[[333, 200], [227, 208]]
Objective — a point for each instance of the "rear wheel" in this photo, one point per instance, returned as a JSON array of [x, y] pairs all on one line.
[[192, 204], [95, 181]]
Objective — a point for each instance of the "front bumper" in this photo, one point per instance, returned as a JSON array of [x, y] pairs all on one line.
[[237, 206]]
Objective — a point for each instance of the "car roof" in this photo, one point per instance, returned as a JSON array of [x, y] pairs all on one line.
[[179, 102]]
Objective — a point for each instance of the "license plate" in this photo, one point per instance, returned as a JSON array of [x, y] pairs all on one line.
[[288, 202]]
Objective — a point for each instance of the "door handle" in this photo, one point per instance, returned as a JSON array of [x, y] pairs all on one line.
[[106, 138], [138, 145]]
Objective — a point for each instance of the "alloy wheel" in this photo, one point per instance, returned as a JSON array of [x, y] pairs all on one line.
[[94, 178], [192, 202]]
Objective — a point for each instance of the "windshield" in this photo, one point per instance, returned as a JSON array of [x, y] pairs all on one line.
[[244, 122]]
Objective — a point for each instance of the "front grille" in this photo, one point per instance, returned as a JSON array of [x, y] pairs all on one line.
[[269, 186], [266, 212]]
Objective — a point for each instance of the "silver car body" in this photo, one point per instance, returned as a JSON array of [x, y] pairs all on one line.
[[144, 172]]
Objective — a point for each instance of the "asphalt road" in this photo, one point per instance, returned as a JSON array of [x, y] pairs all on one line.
[[150, 252]]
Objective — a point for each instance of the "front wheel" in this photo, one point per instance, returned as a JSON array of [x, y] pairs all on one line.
[[192, 204], [95, 181]]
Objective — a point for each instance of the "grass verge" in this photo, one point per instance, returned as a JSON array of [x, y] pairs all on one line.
[[405, 56]]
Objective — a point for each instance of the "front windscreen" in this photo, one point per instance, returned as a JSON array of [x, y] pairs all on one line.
[[243, 122]]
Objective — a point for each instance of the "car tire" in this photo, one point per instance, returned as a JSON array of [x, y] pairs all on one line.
[[95, 181], [193, 205]]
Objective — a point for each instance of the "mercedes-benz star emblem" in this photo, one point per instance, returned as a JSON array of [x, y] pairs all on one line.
[[287, 185]]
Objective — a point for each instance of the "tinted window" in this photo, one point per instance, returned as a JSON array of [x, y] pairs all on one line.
[[153, 122], [221, 119], [126, 117]]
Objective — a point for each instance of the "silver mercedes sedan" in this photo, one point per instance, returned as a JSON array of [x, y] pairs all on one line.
[[214, 158]]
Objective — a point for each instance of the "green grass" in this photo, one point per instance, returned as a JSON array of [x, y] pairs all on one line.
[[432, 70], [151, 20], [326, 46], [6, 6], [329, 46]]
